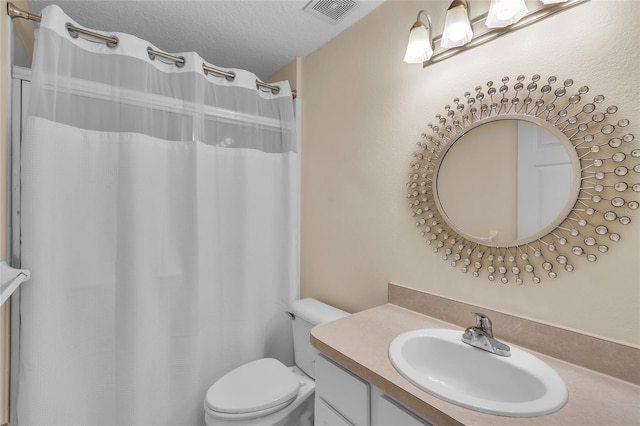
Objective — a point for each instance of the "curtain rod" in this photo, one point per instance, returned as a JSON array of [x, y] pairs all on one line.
[[15, 12]]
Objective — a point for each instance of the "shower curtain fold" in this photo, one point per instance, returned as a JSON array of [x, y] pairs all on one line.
[[160, 223]]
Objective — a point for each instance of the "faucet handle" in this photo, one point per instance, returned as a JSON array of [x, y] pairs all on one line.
[[483, 322]]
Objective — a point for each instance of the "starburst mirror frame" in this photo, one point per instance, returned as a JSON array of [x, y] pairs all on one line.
[[606, 182]]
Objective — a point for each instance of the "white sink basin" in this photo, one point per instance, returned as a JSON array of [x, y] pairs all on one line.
[[438, 362]]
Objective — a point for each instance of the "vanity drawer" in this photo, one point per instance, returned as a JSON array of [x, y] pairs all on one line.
[[345, 392], [392, 413], [326, 416]]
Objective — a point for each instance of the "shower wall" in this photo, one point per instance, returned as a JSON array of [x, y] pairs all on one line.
[[5, 29]]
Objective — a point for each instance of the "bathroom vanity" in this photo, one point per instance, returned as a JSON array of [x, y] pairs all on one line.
[[358, 385], [344, 399]]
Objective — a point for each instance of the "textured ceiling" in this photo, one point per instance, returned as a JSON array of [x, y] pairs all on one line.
[[257, 35]]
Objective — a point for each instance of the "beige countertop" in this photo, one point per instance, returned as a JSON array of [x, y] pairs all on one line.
[[360, 343]]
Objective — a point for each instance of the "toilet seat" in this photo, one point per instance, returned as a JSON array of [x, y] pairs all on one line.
[[250, 415], [253, 390]]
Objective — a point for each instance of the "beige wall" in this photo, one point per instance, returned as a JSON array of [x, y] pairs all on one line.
[[363, 109]]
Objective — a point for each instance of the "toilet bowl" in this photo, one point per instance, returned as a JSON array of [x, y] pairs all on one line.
[[265, 392]]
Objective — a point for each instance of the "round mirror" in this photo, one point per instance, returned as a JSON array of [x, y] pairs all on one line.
[[505, 182], [520, 178]]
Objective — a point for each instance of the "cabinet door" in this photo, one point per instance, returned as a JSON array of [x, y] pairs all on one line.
[[326, 416], [345, 392], [391, 413]]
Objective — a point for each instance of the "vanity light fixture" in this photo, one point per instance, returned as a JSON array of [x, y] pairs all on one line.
[[420, 47], [457, 27], [461, 34], [503, 13]]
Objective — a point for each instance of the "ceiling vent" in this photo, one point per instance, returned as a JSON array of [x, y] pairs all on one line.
[[330, 10]]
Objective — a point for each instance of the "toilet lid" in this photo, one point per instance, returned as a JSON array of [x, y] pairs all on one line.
[[255, 386]]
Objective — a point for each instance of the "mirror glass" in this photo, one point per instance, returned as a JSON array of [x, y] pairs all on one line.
[[504, 181]]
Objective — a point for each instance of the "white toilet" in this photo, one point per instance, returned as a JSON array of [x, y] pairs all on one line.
[[266, 392]]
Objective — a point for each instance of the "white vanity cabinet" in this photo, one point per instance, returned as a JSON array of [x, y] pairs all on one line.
[[344, 399]]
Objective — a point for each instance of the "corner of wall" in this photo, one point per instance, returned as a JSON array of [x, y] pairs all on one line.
[[290, 72]]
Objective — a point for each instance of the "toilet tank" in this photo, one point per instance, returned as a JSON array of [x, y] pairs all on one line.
[[307, 313]]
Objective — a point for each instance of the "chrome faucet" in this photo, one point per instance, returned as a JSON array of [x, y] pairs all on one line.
[[481, 336]]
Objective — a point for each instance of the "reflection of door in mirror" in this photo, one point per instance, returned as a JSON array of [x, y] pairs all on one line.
[[544, 178]]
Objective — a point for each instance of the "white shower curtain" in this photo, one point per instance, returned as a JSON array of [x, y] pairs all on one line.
[[160, 224]]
